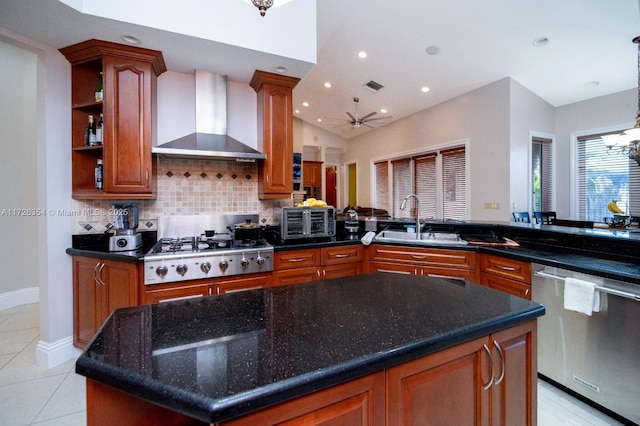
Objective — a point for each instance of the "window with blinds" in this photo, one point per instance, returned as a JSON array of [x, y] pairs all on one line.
[[438, 178], [604, 175], [542, 177]]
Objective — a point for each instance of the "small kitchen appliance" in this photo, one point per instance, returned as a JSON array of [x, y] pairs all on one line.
[[201, 247], [351, 223], [306, 222], [126, 237]]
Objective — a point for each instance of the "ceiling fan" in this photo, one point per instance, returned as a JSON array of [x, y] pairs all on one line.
[[356, 121]]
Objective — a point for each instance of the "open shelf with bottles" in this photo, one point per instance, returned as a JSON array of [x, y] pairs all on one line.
[[128, 105]]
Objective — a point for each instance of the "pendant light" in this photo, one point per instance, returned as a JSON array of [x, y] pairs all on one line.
[[263, 5]]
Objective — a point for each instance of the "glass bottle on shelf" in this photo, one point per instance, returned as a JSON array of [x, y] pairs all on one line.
[[99, 175], [90, 133], [99, 89], [99, 127]]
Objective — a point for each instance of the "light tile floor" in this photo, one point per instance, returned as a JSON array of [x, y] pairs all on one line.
[[30, 395]]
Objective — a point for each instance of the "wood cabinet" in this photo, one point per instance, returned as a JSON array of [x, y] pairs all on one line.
[[312, 178], [508, 275], [434, 262], [128, 106], [299, 266], [184, 290], [275, 133], [486, 381], [99, 287]]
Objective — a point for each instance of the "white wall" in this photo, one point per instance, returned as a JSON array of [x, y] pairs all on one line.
[[481, 116], [19, 171]]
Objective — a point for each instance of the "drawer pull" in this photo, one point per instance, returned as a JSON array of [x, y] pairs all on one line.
[[419, 257], [340, 256], [505, 268], [299, 259]]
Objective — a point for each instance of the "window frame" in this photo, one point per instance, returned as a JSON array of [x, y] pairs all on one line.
[[552, 138]]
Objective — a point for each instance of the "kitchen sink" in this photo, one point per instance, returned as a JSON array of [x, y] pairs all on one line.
[[427, 238]]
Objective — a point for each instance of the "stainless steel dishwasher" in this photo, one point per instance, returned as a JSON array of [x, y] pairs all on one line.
[[597, 356]]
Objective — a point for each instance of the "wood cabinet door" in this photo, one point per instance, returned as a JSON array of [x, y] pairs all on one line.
[[294, 259], [360, 402], [119, 282], [444, 388], [242, 283], [296, 276], [507, 268], [513, 287], [395, 268], [85, 315], [341, 254], [514, 398], [344, 270], [167, 293], [127, 105]]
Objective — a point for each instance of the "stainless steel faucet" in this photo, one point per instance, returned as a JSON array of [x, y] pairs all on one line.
[[404, 205]]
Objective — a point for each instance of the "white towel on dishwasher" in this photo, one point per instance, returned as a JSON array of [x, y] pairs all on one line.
[[581, 296]]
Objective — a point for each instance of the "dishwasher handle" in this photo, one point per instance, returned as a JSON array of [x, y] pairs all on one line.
[[613, 291]]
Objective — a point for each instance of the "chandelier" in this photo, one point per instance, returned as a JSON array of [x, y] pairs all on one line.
[[628, 141], [263, 5]]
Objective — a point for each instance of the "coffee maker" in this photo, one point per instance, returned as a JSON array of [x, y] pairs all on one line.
[[126, 237]]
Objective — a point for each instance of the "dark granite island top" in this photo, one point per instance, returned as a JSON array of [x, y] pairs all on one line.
[[218, 357]]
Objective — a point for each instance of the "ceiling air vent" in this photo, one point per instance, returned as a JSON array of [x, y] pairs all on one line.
[[374, 86]]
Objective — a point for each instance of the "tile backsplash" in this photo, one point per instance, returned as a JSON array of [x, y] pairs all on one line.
[[187, 187]]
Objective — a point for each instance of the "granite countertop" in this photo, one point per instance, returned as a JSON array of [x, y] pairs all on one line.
[[218, 357]]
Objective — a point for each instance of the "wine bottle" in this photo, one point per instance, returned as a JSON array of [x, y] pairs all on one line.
[[91, 132], [99, 127], [99, 175], [99, 89]]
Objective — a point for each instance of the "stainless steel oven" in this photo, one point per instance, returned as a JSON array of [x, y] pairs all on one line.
[[306, 222]]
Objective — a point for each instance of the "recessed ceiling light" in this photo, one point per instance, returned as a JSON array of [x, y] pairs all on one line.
[[305, 104], [327, 85], [424, 89], [297, 111], [362, 54], [319, 120], [592, 84], [384, 110], [540, 41], [130, 39], [281, 69], [432, 50]]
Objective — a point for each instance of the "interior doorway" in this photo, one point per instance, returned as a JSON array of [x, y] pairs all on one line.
[[331, 185]]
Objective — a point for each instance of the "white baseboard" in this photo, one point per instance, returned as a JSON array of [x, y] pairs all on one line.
[[23, 296], [49, 355]]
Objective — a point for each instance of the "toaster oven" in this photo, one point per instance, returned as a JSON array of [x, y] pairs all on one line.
[[307, 222]]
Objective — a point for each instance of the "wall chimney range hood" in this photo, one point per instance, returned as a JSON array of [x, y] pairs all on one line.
[[210, 141]]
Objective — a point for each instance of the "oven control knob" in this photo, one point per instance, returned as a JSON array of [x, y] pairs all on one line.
[[260, 260], [223, 265], [161, 271], [244, 263], [181, 269], [205, 267]]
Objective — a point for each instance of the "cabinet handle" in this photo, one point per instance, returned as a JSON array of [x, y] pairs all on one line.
[[147, 177], [95, 272], [340, 256], [419, 257], [448, 277], [499, 380], [100, 280], [505, 268], [488, 351], [299, 259]]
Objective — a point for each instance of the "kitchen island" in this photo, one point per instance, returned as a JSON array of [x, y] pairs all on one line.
[[368, 349]]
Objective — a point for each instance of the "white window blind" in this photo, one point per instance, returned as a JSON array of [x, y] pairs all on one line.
[[603, 175], [542, 169], [425, 184], [454, 183], [401, 187], [381, 170]]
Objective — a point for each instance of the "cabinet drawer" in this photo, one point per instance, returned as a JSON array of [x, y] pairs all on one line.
[[424, 257], [517, 288], [342, 254], [296, 259], [295, 276], [242, 283], [507, 268]]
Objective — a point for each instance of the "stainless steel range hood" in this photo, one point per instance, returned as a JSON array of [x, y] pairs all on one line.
[[210, 141]]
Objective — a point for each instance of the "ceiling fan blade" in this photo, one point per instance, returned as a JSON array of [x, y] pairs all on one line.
[[352, 117], [368, 115], [365, 124], [379, 118]]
